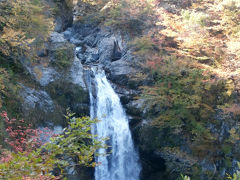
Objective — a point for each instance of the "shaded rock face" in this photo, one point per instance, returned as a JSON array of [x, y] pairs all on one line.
[[176, 152], [58, 78], [108, 49], [45, 75], [39, 107], [60, 51], [64, 19], [60, 55], [34, 98], [70, 95]]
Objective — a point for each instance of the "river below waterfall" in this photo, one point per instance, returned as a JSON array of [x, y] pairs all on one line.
[[123, 162]]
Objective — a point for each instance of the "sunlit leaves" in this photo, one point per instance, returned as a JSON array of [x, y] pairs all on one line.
[[22, 22], [182, 97], [33, 162], [77, 141]]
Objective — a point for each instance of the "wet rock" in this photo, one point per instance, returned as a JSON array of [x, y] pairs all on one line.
[[123, 91], [92, 58], [82, 58], [79, 50], [95, 57], [90, 40], [77, 73], [117, 54], [91, 54], [120, 71], [135, 107], [77, 42], [68, 33], [56, 37], [42, 53], [126, 95]]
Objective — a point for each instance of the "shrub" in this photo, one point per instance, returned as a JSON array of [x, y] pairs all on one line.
[[236, 175], [63, 58], [143, 46], [22, 22], [194, 18], [184, 97], [32, 159]]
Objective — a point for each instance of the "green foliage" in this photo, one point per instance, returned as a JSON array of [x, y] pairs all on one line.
[[143, 46], [183, 98], [236, 175], [3, 82], [75, 142], [69, 95], [194, 18], [226, 148], [22, 22], [20, 165], [118, 17], [184, 177], [64, 56], [8, 90], [58, 5], [24, 25], [126, 15]]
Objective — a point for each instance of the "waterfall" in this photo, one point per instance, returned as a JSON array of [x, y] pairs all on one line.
[[122, 162]]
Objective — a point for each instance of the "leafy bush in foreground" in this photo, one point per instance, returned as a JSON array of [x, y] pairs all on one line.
[[32, 159]]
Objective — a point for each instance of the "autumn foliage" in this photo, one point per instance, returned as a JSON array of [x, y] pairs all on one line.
[[22, 137], [24, 157], [35, 153]]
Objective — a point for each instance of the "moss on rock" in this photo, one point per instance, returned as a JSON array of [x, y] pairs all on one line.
[[70, 95]]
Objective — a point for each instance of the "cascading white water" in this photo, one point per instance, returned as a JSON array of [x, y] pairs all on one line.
[[122, 163]]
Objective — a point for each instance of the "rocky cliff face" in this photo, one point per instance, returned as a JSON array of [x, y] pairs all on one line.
[[56, 79]]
